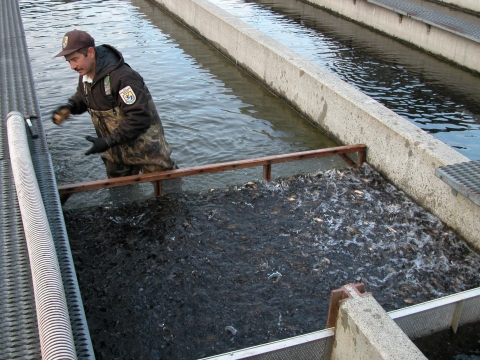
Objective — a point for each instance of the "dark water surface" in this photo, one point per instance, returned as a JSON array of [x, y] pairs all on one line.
[[438, 97], [211, 111]]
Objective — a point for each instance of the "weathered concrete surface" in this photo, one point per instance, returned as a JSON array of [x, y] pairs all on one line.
[[473, 5], [365, 331], [444, 44], [401, 151]]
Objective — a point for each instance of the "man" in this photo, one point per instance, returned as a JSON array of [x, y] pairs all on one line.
[[130, 134]]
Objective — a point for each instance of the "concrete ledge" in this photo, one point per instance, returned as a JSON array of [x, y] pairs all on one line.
[[406, 155], [365, 331], [469, 5], [441, 43]]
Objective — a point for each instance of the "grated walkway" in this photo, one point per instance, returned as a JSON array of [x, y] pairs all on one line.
[[463, 178], [432, 18], [19, 337]]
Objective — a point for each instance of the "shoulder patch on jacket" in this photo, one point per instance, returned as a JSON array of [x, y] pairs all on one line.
[[127, 95]]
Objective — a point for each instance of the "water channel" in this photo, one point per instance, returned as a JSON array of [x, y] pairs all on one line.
[[211, 111], [439, 98], [201, 96]]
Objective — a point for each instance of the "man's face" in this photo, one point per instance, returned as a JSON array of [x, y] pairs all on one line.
[[83, 65]]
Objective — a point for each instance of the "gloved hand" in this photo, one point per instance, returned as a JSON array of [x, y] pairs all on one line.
[[61, 113], [100, 144]]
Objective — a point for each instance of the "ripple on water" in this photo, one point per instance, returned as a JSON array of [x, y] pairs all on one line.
[[211, 111], [413, 84]]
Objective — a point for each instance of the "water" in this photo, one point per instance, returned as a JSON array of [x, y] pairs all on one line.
[[211, 111], [163, 279], [439, 98]]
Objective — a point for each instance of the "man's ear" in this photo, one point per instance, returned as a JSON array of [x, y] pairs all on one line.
[[91, 52]]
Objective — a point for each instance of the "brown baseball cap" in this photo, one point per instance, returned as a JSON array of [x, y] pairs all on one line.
[[75, 40]]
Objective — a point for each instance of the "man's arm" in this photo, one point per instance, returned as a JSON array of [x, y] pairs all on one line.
[[74, 105], [77, 101]]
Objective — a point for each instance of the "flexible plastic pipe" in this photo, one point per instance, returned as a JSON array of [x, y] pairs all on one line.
[[55, 332]]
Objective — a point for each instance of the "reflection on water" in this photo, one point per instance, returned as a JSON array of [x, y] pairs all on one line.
[[439, 98], [211, 111]]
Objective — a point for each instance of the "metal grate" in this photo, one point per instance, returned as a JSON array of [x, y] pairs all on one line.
[[471, 311], [437, 315], [19, 330], [463, 178], [308, 351], [313, 346], [431, 17]]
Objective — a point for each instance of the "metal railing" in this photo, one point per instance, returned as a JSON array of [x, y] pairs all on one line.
[[66, 191], [437, 315], [313, 346]]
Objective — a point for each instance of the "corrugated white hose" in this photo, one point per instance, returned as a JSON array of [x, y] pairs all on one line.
[[56, 338]]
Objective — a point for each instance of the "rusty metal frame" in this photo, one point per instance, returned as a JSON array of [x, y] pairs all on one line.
[[66, 191], [337, 296]]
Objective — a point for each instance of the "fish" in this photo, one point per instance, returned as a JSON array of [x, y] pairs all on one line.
[[276, 275], [231, 330]]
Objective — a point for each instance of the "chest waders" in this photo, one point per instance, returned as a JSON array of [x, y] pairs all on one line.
[[150, 148]]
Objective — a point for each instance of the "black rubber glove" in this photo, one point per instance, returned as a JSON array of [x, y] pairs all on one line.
[[100, 144], [59, 114]]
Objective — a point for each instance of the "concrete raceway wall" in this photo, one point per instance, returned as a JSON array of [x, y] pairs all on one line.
[[442, 43], [402, 152]]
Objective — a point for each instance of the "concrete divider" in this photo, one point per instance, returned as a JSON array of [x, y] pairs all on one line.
[[402, 152], [365, 331], [439, 42]]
